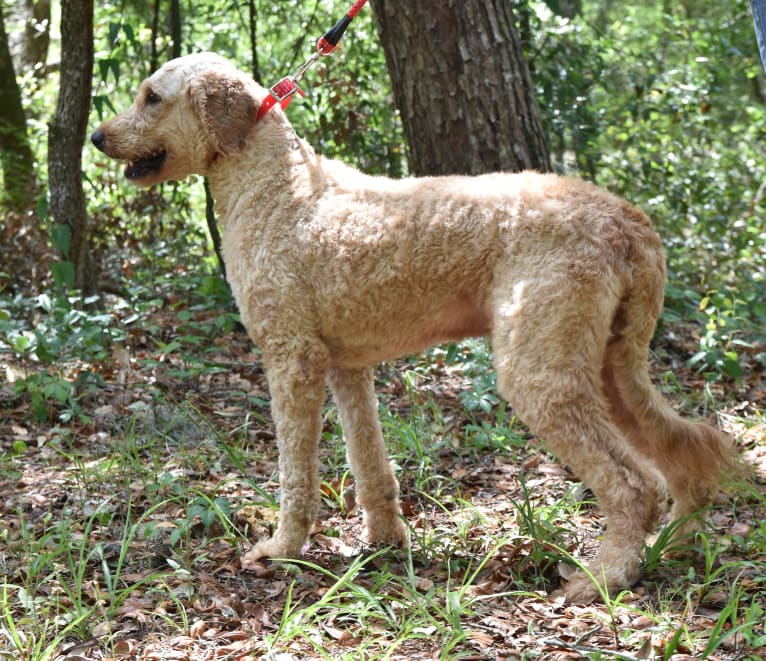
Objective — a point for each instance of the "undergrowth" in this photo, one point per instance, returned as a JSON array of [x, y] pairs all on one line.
[[125, 522]]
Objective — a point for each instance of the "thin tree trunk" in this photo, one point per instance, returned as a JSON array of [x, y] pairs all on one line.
[[462, 86], [36, 34], [212, 226], [253, 31], [66, 135], [154, 57], [16, 159], [175, 28]]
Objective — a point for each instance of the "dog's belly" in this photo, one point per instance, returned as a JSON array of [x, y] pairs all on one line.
[[395, 335]]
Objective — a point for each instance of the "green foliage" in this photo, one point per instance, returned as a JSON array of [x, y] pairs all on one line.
[[718, 346], [209, 511], [475, 357], [662, 104], [63, 329]]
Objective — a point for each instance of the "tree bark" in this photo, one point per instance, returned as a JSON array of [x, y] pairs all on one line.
[[175, 28], [16, 159], [462, 86], [66, 136], [154, 56], [36, 38], [252, 25]]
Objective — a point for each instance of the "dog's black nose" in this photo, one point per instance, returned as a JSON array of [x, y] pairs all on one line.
[[98, 138]]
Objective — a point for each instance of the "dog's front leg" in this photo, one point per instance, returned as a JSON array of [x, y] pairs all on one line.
[[376, 485], [296, 385]]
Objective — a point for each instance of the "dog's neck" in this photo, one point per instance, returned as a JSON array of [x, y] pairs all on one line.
[[275, 164]]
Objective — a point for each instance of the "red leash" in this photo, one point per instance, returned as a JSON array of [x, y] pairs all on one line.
[[282, 93], [328, 42]]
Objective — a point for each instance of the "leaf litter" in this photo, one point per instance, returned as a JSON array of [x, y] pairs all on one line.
[[135, 516]]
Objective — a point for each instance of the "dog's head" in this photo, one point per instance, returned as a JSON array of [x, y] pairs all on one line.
[[187, 114]]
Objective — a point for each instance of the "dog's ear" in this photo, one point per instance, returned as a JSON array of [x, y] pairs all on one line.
[[225, 107]]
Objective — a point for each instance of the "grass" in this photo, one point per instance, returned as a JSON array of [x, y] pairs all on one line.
[[120, 537]]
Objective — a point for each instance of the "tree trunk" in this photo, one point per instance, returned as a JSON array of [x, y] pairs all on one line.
[[16, 157], [175, 28], [462, 86], [252, 24], [34, 51], [66, 136], [154, 56]]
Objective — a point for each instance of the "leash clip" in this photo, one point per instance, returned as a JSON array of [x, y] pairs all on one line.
[[290, 85], [285, 88], [303, 68]]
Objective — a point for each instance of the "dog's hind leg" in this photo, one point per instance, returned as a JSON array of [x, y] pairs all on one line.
[[376, 486], [549, 336], [297, 387]]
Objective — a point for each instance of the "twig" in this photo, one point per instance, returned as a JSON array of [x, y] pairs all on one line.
[[557, 642], [595, 629]]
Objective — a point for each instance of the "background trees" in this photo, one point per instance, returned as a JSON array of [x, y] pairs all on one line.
[[663, 104], [462, 86], [65, 141], [16, 156]]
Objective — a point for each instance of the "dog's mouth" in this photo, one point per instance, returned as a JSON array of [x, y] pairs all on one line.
[[146, 166]]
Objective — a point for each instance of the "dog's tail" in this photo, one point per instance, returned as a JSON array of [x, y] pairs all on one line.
[[692, 456]]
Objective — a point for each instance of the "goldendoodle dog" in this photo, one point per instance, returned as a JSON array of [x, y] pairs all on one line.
[[334, 270]]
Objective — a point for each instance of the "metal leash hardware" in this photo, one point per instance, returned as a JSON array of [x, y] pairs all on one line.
[[290, 85], [286, 88]]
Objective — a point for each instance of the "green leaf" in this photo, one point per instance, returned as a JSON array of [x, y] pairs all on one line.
[[58, 389], [109, 64], [20, 343], [170, 347], [114, 33], [61, 235], [731, 366], [41, 207], [63, 274], [452, 352], [101, 102], [131, 37]]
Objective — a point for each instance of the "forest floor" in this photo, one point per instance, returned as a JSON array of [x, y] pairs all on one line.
[[121, 528]]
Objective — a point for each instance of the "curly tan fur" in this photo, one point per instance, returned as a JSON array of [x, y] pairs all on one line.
[[334, 270]]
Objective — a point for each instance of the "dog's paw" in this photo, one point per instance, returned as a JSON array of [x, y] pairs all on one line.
[[389, 530], [580, 589], [583, 588], [267, 548]]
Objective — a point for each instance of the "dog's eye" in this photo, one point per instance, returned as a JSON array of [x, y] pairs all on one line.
[[152, 98]]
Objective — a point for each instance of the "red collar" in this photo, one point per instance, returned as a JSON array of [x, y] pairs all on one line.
[[282, 93], [269, 102]]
